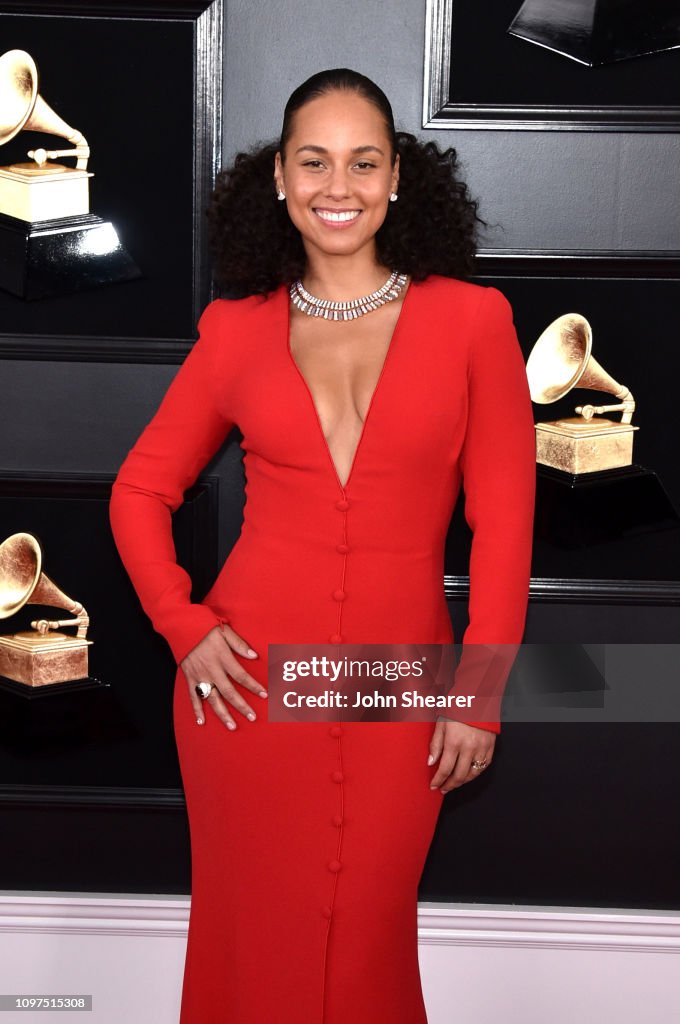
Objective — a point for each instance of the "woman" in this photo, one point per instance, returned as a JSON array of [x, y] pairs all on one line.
[[309, 839]]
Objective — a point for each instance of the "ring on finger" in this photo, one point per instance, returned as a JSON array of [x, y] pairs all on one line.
[[204, 690], [478, 765]]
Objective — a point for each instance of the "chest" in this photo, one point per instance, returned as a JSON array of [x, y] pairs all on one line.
[[391, 399], [342, 363]]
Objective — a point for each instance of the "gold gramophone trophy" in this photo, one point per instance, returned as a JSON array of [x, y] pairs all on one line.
[[588, 488], [42, 655], [50, 243], [561, 360]]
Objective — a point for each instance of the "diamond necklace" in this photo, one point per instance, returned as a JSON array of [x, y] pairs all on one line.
[[350, 309]]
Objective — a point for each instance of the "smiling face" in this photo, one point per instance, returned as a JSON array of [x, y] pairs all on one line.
[[338, 174]]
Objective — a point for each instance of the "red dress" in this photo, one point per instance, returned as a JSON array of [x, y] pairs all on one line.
[[309, 839]]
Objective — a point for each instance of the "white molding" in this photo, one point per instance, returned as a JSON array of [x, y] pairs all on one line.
[[92, 914], [609, 928], [439, 924]]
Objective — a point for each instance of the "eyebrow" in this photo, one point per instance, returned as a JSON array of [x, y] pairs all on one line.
[[357, 149]]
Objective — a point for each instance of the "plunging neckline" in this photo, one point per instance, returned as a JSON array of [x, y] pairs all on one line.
[[386, 360]]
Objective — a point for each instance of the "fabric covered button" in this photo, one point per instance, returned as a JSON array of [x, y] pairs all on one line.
[[327, 912], [343, 504], [342, 548], [339, 595], [336, 638], [334, 866], [335, 730], [337, 777], [337, 820]]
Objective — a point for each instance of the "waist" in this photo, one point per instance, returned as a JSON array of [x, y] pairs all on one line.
[[306, 592]]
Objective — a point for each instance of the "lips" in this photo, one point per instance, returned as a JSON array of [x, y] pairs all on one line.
[[337, 216]]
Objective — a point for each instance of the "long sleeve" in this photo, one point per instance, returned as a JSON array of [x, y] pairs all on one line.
[[186, 431], [499, 480]]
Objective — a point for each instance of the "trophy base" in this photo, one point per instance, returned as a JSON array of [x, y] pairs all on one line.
[[577, 445], [9, 685], [36, 660], [597, 32], [61, 256], [575, 511], [32, 193]]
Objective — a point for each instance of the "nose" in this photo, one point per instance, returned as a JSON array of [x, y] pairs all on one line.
[[337, 183]]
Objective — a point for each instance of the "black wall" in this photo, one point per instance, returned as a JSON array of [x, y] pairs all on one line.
[[567, 815]]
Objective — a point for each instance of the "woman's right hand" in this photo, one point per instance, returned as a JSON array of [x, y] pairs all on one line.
[[212, 661]]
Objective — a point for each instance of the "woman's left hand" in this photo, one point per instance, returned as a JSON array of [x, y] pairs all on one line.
[[456, 746]]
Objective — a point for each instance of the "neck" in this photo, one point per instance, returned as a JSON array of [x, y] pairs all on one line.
[[343, 277]]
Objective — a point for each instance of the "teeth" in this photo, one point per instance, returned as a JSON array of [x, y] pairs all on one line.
[[339, 216]]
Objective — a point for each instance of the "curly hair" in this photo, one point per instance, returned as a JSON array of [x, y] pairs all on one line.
[[432, 229]]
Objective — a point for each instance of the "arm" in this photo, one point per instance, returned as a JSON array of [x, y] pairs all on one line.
[[499, 479], [179, 441]]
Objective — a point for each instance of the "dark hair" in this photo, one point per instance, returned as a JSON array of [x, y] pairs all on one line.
[[337, 80], [431, 229]]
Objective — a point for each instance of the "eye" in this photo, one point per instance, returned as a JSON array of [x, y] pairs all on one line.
[[364, 165], [312, 163]]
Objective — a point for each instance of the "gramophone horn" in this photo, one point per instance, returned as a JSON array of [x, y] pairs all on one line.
[[21, 579], [23, 109], [559, 356], [20, 565], [561, 360]]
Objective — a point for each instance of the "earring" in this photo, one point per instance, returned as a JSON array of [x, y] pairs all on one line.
[[394, 197], [280, 194]]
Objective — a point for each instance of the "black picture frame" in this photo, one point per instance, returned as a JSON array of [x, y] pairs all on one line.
[[627, 296], [478, 76], [114, 746], [146, 90]]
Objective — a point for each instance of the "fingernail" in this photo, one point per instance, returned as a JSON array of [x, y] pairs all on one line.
[[434, 787], [251, 717], [251, 653], [263, 693], [230, 725], [430, 759], [199, 721]]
